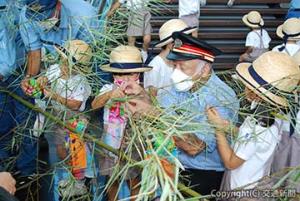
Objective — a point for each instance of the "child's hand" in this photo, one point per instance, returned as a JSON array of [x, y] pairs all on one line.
[[48, 93], [117, 93], [42, 81], [133, 88], [215, 118]]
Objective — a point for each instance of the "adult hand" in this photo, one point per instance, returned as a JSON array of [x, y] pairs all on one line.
[[215, 118], [189, 143], [8, 182]]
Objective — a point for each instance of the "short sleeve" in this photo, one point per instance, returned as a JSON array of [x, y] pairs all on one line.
[[267, 39], [245, 150], [250, 40], [29, 32], [246, 144], [81, 92], [152, 78], [87, 27], [53, 73], [106, 88], [7, 52]]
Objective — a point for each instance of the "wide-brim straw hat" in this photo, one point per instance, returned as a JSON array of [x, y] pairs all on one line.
[[125, 59], [289, 29], [77, 50], [273, 77], [171, 26], [253, 19]]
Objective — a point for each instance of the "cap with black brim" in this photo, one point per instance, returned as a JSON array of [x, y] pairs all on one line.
[[176, 56], [187, 47]]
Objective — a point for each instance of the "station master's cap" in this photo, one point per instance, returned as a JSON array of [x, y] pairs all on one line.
[[187, 47]]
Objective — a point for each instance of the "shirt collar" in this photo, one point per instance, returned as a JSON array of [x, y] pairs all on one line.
[[200, 86]]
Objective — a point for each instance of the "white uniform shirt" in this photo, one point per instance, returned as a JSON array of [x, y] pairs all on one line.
[[75, 88], [130, 4], [160, 75], [255, 144], [290, 49], [188, 7], [253, 39]]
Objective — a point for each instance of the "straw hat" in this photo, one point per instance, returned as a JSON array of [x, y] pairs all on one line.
[[296, 58], [125, 59], [253, 20], [290, 29], [171, 26], [272, 76], [79, 51]]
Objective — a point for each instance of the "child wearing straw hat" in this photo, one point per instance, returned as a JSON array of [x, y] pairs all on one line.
[[270, 81], [289, 31], [258, 40], [286, 156], [67, 90], [125, 65], [158, 80]]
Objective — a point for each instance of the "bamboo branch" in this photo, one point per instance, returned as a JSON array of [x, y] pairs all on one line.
[[181, 187]]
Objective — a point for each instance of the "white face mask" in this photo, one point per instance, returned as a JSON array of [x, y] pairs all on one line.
[[181, 81]]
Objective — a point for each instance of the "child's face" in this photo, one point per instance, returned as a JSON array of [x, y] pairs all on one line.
[[251, 96], [125, 77]]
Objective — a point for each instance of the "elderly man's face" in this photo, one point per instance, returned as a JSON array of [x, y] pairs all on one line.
[[189, 67]]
